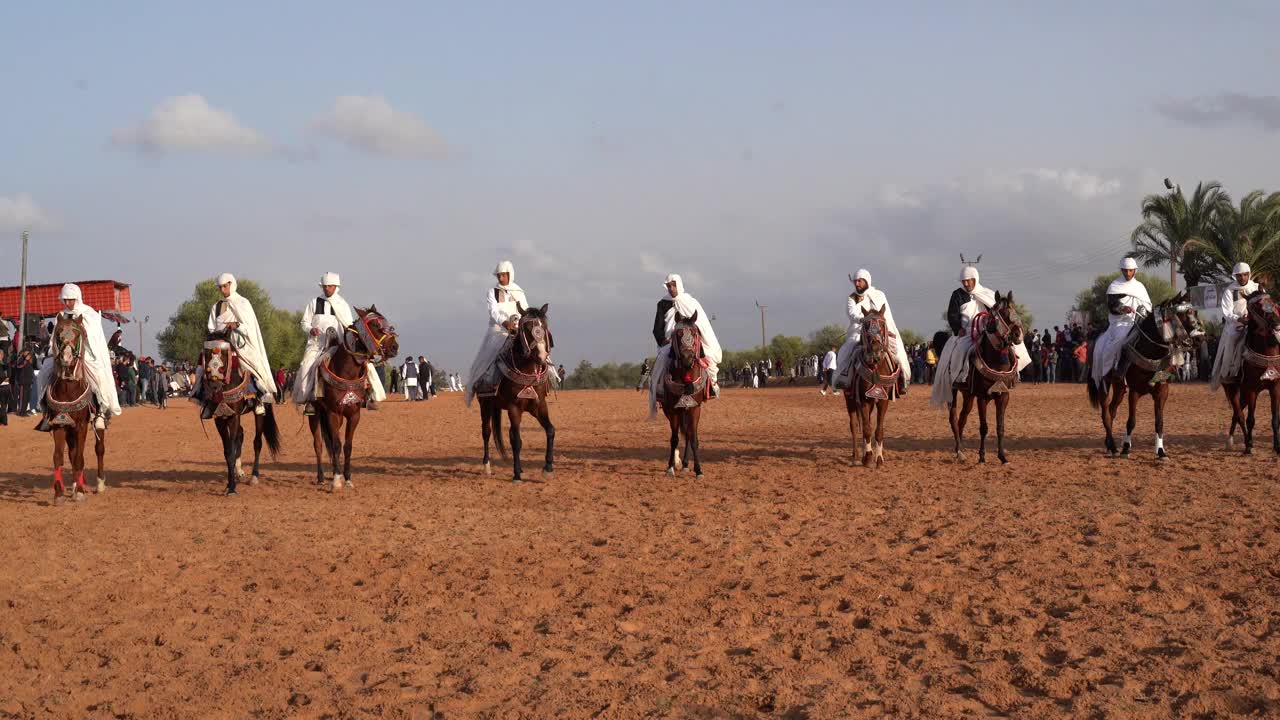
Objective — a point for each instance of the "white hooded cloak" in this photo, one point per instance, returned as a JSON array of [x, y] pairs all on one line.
[[1234, 307], [953, 361], [685, 305], [1107, 347], [97, 361], [855, 308], [501, 302], [335, 316], [247, 338]]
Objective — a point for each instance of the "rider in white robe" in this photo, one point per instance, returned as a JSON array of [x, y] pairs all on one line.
[[503, 303], [97, 358], [324, 319], [684, 305], [967, 302], [1127, 302], [1234, 306], [233, 311], [863, 298]]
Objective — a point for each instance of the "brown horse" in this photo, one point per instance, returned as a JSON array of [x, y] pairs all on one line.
[[875, 378], [521, 389], [342, 383], [227, 387], [686, 386], [1259, 371], [1147, 363], [70, 407], [993, 372]]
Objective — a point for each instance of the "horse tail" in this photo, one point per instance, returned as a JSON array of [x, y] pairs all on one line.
[[326, 431], [271, 431], [1095, 397], [495, 417]]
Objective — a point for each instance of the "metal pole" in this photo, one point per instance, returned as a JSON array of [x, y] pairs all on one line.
[[22, 301], [762, 309]]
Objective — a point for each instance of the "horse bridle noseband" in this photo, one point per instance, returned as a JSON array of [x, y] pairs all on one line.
[[372, 344], [73, 334]]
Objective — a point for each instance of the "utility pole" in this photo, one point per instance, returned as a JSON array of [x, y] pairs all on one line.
[[141, 323], [1173, 189], [22, 300], [762, 309]]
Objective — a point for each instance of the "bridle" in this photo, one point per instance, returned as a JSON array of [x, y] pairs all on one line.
[[875, 333], [1268, 318], [68, 345], [1005, 328], [372, 332], [531, 334], [686, 343]]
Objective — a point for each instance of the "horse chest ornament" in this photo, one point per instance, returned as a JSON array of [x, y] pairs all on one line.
[[353, 392]]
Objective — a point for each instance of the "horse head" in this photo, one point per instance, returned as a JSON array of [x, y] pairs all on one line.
[[1263, 315], [376, 333], [1005, 328], [1177, 322], [533, 335], [686, 341], [68, 345], [875, 334]]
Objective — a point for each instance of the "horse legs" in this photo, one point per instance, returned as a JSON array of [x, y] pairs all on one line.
[[674, 418], [100, 449], [1109, 407], [1250, 403], [258, 421], [1131, 423], [691, 439], [957, 426], [228, 451], [59, 443], [486, 430], [882, 406], [1237, 415], [513, 434], [544, 419], [982, 429], [317, 440], [1002, 403], [1272, 391], [1160, 396], [864, 416], [77, 456], [335, 447], [352, 423]]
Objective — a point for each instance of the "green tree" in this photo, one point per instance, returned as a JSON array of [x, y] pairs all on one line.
[[1093, 300], [786, 348], [822, 340], [911, 337], [182, 339], [1250, 234], [1174, 229]]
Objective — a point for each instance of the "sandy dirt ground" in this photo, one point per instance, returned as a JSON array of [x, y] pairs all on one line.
[[786, 583]]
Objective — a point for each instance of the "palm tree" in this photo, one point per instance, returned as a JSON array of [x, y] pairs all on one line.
[[1250, 234], [1170, 224]]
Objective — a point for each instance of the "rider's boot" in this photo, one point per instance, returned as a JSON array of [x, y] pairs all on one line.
[[715, 389], [309, 408], [260, 408], [902, 385], [100, 421]]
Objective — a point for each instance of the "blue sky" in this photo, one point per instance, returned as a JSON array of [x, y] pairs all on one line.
[[765, 150]]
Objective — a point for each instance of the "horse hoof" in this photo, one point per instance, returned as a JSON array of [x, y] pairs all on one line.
[[350, 485], [697, 474], [230, 492], [337, 483], [1004, 461], [879, 462], [1161, 454], [59, 500], [80, 496], [671, 472], [253, 480], [982, 460], [548, 471], [1247, 451], [516, 481], [488, 469], [102, 485]]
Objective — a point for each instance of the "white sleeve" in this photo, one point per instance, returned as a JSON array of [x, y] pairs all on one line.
[[308, 313], [1227, 304], [851, 308], [497, 314], [213, 316]]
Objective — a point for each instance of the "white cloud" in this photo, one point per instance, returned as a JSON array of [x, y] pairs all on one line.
[[1083, 185], [371, 125], [188, 123], [20, 212]]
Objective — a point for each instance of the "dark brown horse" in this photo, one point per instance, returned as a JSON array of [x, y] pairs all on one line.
[[874, 385], [342, 382], [522, 388], [686, 386], [1259, 371], [993, 372], [1147, 362], [70, 406], [227, 387]]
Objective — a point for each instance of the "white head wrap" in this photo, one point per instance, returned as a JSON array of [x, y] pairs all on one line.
[[505, 267], [969, 273], [71, 291], [1241, 267], [1128, 264], [674, 278], [225, 278], [863, 274], [330, 278]]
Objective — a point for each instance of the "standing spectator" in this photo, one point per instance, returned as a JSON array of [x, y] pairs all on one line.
[[5, 388], [394, 381], [425, 378], [410, 371], [22, 381], [1081, 354], [828, 369]]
